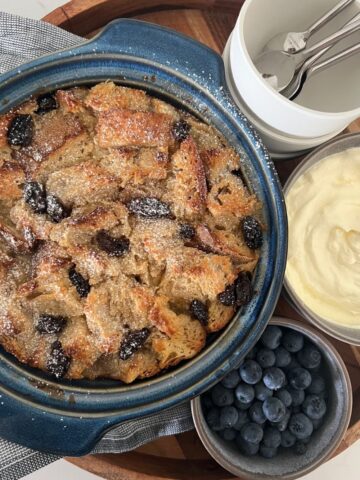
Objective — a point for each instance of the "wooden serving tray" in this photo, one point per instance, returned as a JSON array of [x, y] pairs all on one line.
[[182, 457]]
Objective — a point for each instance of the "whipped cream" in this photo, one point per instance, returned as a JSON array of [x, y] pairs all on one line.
[[323, 266]]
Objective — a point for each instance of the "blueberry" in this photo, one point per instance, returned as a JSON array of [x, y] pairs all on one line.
[[265, 358], [256, 413], [247, 448], [187, 231], [228, 416], [252, 354], [80, 283], [229, 434], [297, 397], [309, 357], [228, 296], [180, 130], [271, 337], [242, 419], [287, 439], [274, 410], [56, 209], [299, 378], [300, 426], [58, 362], [21, 130], [283, 423], [132, 342], [250, 372], [199, 311], [149, 207], [113, 246], [252, 433], [282, 357], [245, 393], [242, 405], [293, 341], [267, 452], [314, 407], [272, 437], [252, 232], [300, 448], [222, 396], [35, 196], [231, 380], [50, 323], [243, 289], [262, 392], [284, 396], [46, 102], [293, 364], [213, 419], [317, 385], [274, 378], [206, 402]]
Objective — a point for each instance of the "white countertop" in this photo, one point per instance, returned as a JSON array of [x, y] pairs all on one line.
[[345, 466]]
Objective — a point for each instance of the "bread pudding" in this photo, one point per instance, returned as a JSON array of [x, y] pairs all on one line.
[[127, 234]]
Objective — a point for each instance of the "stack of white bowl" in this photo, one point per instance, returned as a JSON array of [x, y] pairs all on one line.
[[330, 100]]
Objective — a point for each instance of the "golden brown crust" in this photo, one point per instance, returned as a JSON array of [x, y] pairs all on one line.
[[126, 128], [149, 203]]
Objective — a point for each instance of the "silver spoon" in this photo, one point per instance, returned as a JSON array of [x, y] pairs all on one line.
[[302, 73], [278, 68], [295, 42], [318, 67]]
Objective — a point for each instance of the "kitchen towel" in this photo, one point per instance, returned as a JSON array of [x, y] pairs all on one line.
[[22, 40]]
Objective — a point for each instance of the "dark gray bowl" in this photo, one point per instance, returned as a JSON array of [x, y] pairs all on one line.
[[288, 465]]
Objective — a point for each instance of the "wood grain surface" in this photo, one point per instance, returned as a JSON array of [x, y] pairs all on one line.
[[182, 457]]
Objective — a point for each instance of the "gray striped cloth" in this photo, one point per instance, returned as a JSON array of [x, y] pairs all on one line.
[[22, 40]]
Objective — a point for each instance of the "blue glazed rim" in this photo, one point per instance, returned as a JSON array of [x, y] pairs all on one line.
[[69, 417]]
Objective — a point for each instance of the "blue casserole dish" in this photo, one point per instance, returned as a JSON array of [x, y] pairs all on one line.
[[69, 417]]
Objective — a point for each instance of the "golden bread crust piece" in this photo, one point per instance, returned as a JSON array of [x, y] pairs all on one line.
[[114, 281], [126, 128], [107, 96], [186, 188]]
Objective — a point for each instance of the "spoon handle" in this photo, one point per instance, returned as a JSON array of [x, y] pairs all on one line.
[[309, 62], [331, 39], [327, 17], [338, 57]]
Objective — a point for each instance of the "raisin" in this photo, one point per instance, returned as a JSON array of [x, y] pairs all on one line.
[[243, 289], [149, 207], [21, 130], [114, 247], [252, 232], [35, 196], [46, 102], [187, 231], [50, 323], [58, 362], [199, 311], [228, 296], [55, 209], [80, 283], [180, 130], [132, 342]]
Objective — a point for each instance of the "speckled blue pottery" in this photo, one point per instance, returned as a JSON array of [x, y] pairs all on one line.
[[69, 417]]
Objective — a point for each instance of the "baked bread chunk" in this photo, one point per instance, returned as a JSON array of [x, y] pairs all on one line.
[[127, 234]]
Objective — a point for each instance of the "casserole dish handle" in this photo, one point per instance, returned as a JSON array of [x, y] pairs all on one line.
[[157, 45]]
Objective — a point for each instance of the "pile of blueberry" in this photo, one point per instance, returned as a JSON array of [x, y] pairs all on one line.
[[277, 397]]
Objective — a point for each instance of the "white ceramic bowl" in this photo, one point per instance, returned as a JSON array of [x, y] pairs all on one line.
[[287, 465], [333, 95], [341, 332], [280, 145]]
